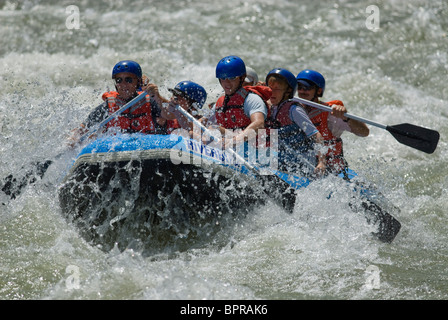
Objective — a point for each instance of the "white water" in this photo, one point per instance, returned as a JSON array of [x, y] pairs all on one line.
[[51, 77]]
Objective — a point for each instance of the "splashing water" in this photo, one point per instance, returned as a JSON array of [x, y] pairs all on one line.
[[53, 74]]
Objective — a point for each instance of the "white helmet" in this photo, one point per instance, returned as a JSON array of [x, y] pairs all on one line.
[[251, 76]]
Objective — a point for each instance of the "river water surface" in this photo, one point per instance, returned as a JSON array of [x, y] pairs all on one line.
[[56, 61]]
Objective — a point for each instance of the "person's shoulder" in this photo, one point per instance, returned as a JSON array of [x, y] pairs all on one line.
[[254, 98], [108, 94], [254, 103], [296, 107], [332, 102], [263, 91], [99, 112]]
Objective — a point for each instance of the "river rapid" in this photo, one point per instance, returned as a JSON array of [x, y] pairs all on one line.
[[388, 62]]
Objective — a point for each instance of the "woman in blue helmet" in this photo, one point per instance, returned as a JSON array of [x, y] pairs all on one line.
[[241, 109], [298, 138], [311, 86], [296, 133], [145, 118], [188, 95]]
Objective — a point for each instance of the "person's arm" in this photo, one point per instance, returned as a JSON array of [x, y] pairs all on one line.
[[256, 110], [153, 91], [321, 158], [96, 116], [169, 112], [356, 127], [156, 112], [256, 122], [300, 117]]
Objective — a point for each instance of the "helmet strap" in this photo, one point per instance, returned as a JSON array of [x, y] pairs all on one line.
[[316, 94]]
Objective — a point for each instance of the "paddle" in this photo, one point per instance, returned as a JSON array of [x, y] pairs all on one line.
[[13, 186], [276, 188], [388, 226], [192, 119], [253, 169], [420, 138], [114, 115]]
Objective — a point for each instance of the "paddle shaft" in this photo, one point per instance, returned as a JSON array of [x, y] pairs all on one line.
[[187, 115], [13, 186], [413, 136], [113, 115], [277, 189], [348, 115], [204, 129]]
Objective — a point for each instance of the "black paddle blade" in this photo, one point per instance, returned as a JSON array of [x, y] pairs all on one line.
[[12, 186], [388, 226], [420, 138]]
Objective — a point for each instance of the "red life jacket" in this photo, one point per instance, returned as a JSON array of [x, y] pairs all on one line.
[[139, 120], [289, 132], [335, 154], [281, 118], [230, 109], [172, 125]]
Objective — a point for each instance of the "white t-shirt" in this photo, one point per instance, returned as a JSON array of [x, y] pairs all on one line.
[[337, 126]]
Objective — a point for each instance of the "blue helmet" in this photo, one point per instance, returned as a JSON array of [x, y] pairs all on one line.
[[192, 91], [229, 67], [127, 66], [314, 77], [287, 75]]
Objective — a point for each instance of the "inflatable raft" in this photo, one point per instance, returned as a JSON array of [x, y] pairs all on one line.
[[127, 190]]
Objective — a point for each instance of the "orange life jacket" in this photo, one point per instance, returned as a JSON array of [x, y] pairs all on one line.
[[335, 154], [230, 109], [139, 120]]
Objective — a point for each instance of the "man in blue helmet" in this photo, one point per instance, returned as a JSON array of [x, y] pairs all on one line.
[[144, 117], [311, 86], [240, 109], [188, 95]]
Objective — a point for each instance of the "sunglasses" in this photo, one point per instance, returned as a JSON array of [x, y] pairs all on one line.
[[304, 87], [176, 97], [231, 79], [127, 79]]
